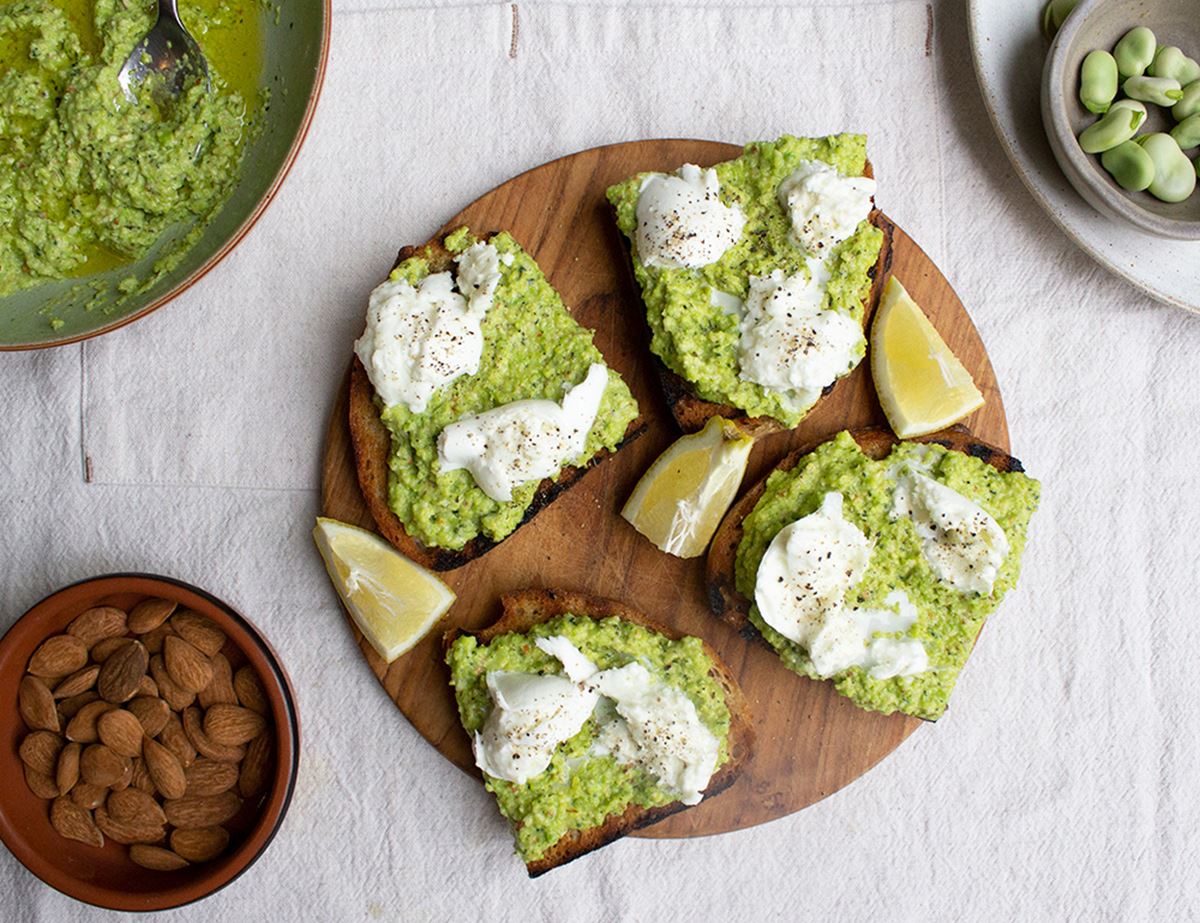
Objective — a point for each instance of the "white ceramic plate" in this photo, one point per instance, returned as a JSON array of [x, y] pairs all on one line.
[[1009, 50]]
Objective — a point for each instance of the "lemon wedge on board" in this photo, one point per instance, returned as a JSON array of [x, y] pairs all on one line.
[[679, 501], [921, 384], [393, 601]]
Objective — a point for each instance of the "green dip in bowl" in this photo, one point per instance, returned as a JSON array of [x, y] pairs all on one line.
[[111, 207]]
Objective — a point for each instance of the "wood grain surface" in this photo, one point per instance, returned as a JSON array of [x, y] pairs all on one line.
[[811, 741]]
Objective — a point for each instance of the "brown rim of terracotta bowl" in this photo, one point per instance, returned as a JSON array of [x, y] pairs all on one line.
[[239, 234], [78, 870]]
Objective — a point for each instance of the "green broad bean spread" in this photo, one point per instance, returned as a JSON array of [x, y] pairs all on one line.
[[90, 181], [578, 791], [698, 340], [532, 348], [949, 620]]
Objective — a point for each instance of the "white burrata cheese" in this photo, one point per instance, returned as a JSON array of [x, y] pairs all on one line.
[[681, 220], [418, 339], [962, 542], [789, 343], [825, 207], [524, 440]]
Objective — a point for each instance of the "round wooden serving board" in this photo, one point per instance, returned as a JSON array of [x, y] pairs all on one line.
[[811, 741]]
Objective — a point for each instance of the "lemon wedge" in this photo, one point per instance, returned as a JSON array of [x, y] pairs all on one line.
[[681, 498], [393, 601], [921, 384]]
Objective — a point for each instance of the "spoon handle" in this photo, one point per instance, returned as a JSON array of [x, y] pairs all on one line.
[[168, 9]]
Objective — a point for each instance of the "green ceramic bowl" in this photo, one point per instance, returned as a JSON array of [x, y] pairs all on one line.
[[296, 48]]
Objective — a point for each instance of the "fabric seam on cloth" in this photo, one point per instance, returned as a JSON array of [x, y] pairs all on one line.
[[937, 135], [85, 460], [182, 485], [653, 5]]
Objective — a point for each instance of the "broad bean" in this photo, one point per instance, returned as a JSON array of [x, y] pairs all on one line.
[[1130, 166], [1187, 132], [1172, 63], [1054, 13], [1098, 81], [1174, 173], [1117, 126], [1135, 51], [1129, 104], [1189, 104], [1162, 91]]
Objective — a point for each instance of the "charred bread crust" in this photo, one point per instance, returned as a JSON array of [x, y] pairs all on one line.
[[876, 442], [524, 609], [372, 447]]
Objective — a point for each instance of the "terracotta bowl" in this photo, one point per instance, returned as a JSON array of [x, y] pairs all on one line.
[[107, 877], [1100, 24]]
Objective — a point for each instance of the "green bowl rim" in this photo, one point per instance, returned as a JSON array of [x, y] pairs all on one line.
[[284, 169]]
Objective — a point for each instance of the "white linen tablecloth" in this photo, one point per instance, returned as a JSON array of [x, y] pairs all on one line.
[[1062, 785]]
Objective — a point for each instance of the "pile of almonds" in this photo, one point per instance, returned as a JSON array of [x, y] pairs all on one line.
[[140, 731]]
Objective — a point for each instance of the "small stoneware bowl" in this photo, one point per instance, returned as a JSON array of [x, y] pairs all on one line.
[[106, 876], [1100, 24]]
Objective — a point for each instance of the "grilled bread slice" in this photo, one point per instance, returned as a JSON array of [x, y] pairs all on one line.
[[524, 609], [723, 597], [372, 447], [691, 411]]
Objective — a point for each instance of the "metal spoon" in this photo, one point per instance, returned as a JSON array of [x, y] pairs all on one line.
[[168, 51]]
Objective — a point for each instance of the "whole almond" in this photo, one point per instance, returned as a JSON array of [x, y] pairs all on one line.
[[175, 739], [232, 725], [152, 713], [126, 777], [149, 614], [256, 766], [97, 624], [127, 832], [102, 650], [88, 796], [200, 844], [187, 665], [100, 765], [202, 810], [165, 769], [154, 639], [198, 630], [40, 784], [122, 672], [69, 708], [175, 696], [58, 656], [220, 691], [250, 691], [66, 774], [193, 727], [121, 731], [208, 777], [141, 778], [134, 806], [156, 858], [148, 687], [79, 681], [36, 704], [82, 727], [74, 822], [39, 751]]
